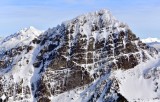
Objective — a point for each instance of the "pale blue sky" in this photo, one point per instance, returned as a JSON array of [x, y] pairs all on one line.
[[143, 16]]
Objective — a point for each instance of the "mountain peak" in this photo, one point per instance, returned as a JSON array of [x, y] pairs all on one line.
[[30, 30], [22, 37], [94, 17], [88, 23], [104, 12], [31, 27]]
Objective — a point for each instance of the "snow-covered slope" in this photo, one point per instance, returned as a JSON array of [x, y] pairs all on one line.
[[22, 37], [14, 52], [91, 58], [141, 84]]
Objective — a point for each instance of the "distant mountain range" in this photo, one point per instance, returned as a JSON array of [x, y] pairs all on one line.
[[1, 39], [154, 42]]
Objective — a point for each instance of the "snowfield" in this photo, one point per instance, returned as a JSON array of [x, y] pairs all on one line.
[[141, 83]]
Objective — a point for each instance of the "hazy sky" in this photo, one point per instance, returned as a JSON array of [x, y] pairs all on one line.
[[143, 16]]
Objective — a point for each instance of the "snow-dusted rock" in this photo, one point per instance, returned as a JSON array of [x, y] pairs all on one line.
[[85, 59]]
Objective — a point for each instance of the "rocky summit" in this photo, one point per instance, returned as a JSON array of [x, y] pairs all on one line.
[[91, 58]]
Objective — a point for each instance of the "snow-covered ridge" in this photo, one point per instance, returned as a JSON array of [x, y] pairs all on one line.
[[22, 37]]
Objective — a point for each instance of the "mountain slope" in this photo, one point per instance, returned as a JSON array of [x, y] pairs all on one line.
[[86, 59], [14, 57]]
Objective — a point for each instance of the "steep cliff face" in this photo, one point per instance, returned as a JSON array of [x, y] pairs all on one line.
[[78, 60]]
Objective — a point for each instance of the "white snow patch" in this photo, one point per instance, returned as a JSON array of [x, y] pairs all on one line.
[[135, 86], [3, 97]]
